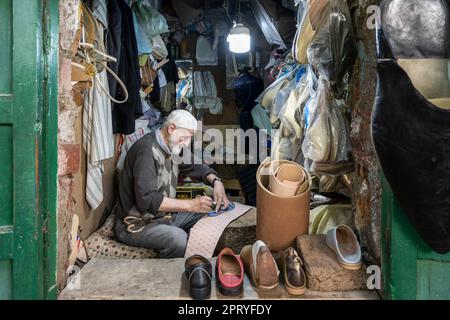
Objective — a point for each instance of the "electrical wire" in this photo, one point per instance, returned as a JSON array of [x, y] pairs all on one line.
[[226, 6]]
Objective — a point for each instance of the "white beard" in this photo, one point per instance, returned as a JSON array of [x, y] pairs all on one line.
[[174, 147], [176, 150]]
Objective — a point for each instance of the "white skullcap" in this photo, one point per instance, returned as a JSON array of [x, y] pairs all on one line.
[[182, 119]]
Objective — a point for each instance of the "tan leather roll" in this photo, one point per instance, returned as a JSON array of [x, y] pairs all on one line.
[[286, 179], [280, 219]]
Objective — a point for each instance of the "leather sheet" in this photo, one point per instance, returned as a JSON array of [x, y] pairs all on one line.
[[417, 28], [412, 140], [410, 133], [205, 234]]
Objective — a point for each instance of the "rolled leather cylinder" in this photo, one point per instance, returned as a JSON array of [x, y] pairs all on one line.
[[280, 220], [286, 179]]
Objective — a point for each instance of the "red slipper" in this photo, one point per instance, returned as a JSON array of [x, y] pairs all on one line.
[[229, 273]]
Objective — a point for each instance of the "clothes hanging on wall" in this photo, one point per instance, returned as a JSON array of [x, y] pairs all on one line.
[[205, 92], [246, 89], [168, 97], [260, 118], [98, 139], [206, 55], [170, 70], [100, 11], [185, 92], [122, 44], [155, 95]]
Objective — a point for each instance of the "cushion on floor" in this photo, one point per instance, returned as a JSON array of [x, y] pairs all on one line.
[[103, 244]]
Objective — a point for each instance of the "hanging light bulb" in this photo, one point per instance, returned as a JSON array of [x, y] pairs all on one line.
[[239, 39]]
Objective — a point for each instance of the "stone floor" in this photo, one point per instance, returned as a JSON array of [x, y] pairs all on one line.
[[155, 279]]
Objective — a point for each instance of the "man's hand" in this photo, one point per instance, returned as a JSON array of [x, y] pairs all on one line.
[[220, 196], [201, 204]]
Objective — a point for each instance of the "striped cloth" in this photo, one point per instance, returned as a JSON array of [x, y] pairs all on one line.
[[100, 11], [98, 138]]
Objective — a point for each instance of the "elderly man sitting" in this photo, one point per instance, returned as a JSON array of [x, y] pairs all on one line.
[[147, 213]]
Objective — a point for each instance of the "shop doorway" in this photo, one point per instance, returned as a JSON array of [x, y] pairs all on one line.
[[28, 160]]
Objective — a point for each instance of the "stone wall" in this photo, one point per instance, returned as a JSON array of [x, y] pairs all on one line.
[[367, 180], [69, 149], [71, 155]]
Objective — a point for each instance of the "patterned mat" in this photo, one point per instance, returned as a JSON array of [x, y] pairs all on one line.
[[207, 232]]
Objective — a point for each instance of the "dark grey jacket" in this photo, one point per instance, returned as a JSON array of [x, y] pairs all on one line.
[[149, 175]]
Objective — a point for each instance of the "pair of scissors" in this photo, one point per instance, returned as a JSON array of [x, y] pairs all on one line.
[[134, 224], [214, 213]]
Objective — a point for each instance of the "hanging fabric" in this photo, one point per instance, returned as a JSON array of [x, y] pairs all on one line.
[[122, 44], [168, 97], [90, 61], [205, 92], [100, 11], [98, 138], [205, 54]]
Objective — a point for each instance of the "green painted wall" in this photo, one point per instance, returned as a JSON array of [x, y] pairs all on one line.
[[411, 269]]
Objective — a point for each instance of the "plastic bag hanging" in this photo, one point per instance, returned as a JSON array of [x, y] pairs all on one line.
[[309, 21], [327, 136], [316, 145], [333, 50], [152, 22], [268, 28]]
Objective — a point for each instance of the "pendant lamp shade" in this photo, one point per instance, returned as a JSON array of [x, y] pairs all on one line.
[[239, 39]]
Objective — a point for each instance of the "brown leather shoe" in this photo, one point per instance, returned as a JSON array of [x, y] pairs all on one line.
[[260, 266], [292, 269]]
